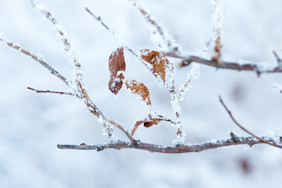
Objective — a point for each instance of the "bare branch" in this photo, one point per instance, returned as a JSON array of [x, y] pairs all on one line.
[[52, 92], [173, 149], [36, 58], [272, 143]]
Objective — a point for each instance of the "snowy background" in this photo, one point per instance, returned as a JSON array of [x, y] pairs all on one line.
[[33, 124]]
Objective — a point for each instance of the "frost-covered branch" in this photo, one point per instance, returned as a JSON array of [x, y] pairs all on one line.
[[164, 40], [177, 148], [63, 36], [40, 60], [259, 69], [112, 32], [244, 129], [52, 92], [278, 59]]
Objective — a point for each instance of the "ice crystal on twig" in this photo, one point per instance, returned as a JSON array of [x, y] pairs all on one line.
[[61, 33], [160, 35], [277, 87], [194, 74]]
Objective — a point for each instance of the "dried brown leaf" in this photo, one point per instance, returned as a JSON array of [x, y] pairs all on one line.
[[149, 122], [139, 89], [116, 66], [158, 61]]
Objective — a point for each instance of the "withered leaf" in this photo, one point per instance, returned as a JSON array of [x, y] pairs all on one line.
[[158, 61], [148, 122], [139, 89], [116, 66]]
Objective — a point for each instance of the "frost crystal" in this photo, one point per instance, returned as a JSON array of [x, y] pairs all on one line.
[[217, 17], [179, 139], [277, 87], [2, 36], [160, 36], [194, 74]]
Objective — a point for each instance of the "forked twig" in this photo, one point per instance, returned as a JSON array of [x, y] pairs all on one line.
[[272, 143]]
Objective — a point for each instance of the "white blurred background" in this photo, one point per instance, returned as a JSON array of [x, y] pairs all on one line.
[[33, 124]]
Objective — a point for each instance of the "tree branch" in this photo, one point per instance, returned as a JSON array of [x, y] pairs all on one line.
[[35, 58], [223, 65], [168, 40], [272, 143], [52, 92], [172, 149]]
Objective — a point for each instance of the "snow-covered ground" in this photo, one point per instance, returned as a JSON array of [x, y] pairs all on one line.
[[33, 124]]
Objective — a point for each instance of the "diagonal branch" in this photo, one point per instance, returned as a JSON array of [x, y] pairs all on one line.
[[129, 136], [63, 36], [272, 143], [35, 58], [167, 39], [173, 149]]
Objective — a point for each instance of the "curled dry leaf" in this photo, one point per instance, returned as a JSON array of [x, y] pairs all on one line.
[[139, 89], [158, 61], [116, 66], [148, 122]]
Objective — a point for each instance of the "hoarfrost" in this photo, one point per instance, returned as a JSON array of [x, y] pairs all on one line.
[[179, 139], [2, 37], [217, 22], [159, 35], [277, 87], [217, 16], [194, 74], [264, 67], [38, 5]]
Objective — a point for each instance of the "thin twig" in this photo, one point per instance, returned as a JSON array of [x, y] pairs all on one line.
[[52, 92], [95, 111], [171, 149], [66, 41], [278, 59], [37, 59], [272, 143], [130, 137], [169, 41]]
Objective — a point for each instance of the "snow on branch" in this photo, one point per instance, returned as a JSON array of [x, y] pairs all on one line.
[[38, 59], [78, 75], [52, 92], [259, 69], [164, 71], [174, 149], [272, 143], [160, 35]]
